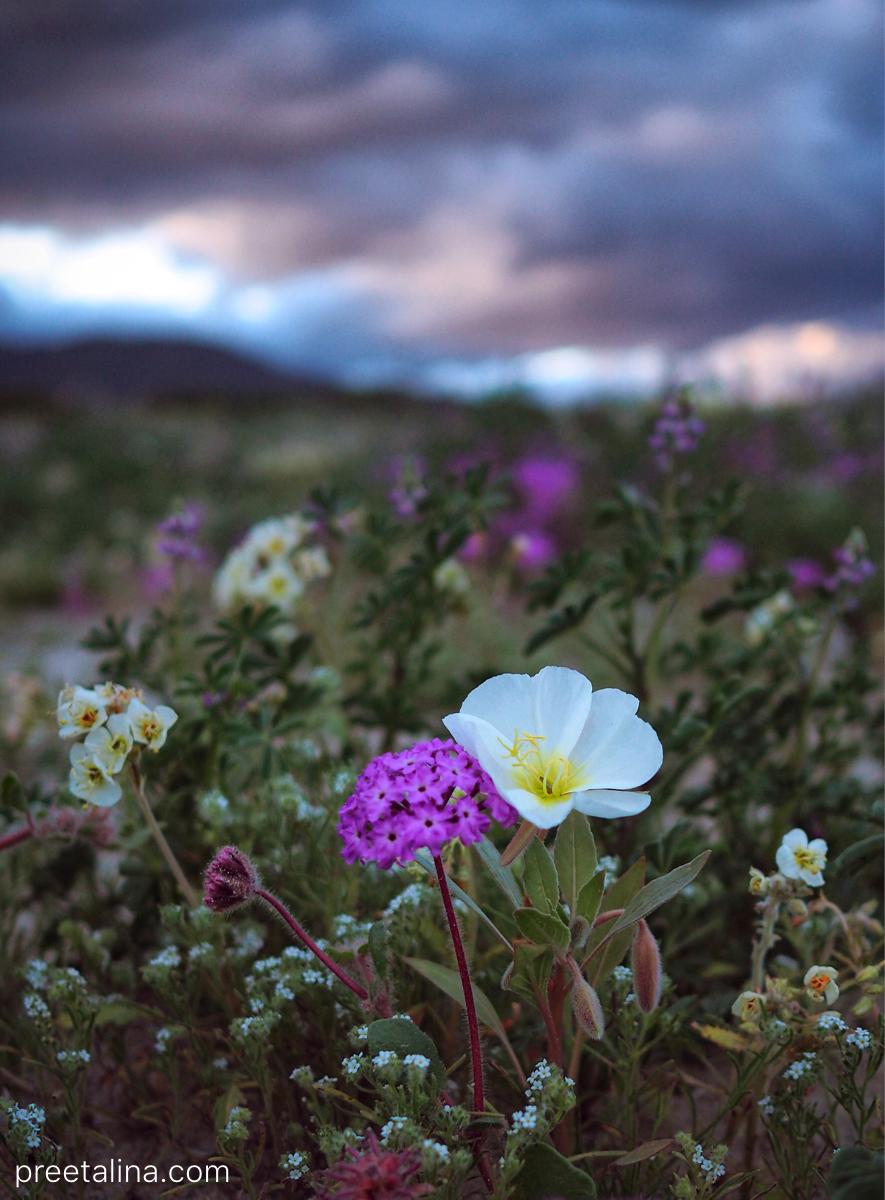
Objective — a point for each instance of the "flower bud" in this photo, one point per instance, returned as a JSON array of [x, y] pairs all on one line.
[[230, 880], [797, 911], [645, 958], [759, 884], [587, 1009]]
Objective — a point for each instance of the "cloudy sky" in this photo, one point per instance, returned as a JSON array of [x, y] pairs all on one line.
[[461, 193]]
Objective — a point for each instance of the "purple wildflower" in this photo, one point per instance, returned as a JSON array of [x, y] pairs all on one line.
[[677, 431], [230, 880], [806, 574], [853, 566], [724, 556], [532, 549], [409, 489], [416, 799], [546, 484], [177, 535]]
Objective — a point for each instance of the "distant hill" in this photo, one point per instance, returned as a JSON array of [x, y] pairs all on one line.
[[108, 368]]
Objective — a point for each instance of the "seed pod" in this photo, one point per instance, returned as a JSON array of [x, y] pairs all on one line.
[[647, 974]]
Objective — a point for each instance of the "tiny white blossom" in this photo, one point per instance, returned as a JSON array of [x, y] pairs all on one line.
[[79, 710], [151, 725], [797, 858], [90, 779]]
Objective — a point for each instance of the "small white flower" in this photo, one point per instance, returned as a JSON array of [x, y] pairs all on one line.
[[766, 1106], [859, 1039], [151, 725], [90, 779], [797, 858], [418, 1062], [749, 1006], [352, 1065], [112, 742], [550, 745], [831, 1022], [820, 984], [295, 1164], [394, 1124], [79, 711], [440, 1150], [277, 585]]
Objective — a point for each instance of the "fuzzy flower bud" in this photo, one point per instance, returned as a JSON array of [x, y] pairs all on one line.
[[230, 880], [585, 1003], [759, 883], [645, 958]]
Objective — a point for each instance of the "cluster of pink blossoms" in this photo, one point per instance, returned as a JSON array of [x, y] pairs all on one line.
[[416, 799]]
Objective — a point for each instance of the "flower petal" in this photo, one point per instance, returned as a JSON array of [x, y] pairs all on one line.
[[819, 846], [505, 701], [616, 748], [796, 837], [484, 742], [611, 804], [562, 700], [786, 862], [542, 813]]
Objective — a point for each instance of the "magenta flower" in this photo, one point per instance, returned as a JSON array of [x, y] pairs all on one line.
[[230, 880], [806, 573], [546, 484], [532, 550], [373, 1172], [724, 556], [417, 799]]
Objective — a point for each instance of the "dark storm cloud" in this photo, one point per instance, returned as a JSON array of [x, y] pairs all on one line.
[[516, 175]]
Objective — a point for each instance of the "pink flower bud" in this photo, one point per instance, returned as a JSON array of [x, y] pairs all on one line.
[[585, 1004], [647, 973], [230, 880]]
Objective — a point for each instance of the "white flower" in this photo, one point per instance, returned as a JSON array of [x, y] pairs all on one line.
[[79, 710], [797, 858], [277, 537], [748, 1006], [277, 585], [150, 725], [312, 563], [820, 984], [550, 745], [90, 779], [112, 742]]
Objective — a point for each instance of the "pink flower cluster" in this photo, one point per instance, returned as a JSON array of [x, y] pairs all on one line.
[[416, 799]]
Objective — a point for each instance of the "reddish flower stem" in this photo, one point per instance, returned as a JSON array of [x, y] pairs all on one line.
[[479, 1099], [304, 936], [17, 835]]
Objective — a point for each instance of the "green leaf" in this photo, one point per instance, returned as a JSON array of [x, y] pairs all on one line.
[[423, 858], [859, 854], [378, 948], [539, 877], [449, 981], [542, 928], [643, 1152], [404, 1037], [502, 875], [530, 972], [574, 853], [590, 897], [856, 1174], [13, 802], [546, 1174], [119, 1012], [658, 892]]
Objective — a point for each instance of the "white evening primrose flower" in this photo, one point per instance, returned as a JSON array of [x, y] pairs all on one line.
[[277, 537], [820, 984], [90, 779], [150, 725], [551, 744], [79, 710], [797, 858], [112, 742]]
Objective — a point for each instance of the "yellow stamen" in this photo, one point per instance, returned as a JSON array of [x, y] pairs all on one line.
[[550, 777]]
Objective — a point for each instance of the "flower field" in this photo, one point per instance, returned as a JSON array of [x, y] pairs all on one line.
[[447, 802]]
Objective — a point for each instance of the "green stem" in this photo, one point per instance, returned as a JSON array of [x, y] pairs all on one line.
[[165, 849]]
